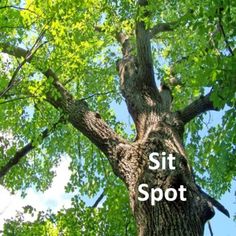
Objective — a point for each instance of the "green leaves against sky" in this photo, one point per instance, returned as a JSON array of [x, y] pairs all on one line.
[[77, 39]]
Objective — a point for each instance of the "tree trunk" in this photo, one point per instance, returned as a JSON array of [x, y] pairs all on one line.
[[165, 218], [158, 130]]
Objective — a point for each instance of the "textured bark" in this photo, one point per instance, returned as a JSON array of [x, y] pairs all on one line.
[[177, 218], [158, 130]]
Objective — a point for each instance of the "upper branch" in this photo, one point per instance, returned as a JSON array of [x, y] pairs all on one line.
[[196, 108], [124, 40], [162, 27], [170, 26]]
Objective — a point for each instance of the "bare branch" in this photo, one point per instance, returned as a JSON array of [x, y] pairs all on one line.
[[168, 26], [210, 229], [99, 199], [196, 108]]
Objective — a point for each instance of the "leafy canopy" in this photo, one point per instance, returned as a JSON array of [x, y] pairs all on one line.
[[77, 39]]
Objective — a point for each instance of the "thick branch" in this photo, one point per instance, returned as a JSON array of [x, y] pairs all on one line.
[[137, 82], [196, 108], [17, 52], [79, 115], [88, 122], [124, 40]]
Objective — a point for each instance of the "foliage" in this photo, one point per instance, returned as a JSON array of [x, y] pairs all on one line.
[[77, 39]]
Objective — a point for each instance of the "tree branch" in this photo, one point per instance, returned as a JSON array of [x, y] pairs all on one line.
[[16, 99], [214, 202], [210, 229], [196, 108], [124, 40], [221, 28], [24, 151], [27, 58], [144, 54], [82, 118], [225, 38], [99, 199], [18, 8], [168, 26], [162, 27], [79, 115]]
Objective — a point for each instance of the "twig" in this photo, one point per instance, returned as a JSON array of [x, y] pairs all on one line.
[[97, 94], [210, 229], [19, 8], [223, 31], [16, 99], [27, 58], [225, 38], [99, 199]]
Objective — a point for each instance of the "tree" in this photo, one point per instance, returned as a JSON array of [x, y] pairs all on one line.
[[68, 61]]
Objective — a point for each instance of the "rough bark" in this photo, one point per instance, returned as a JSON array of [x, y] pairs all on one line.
[[165, 218], [23, 152], [158, 130]]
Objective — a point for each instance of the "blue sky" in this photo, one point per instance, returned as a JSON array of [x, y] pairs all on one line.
[[221, 225]]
